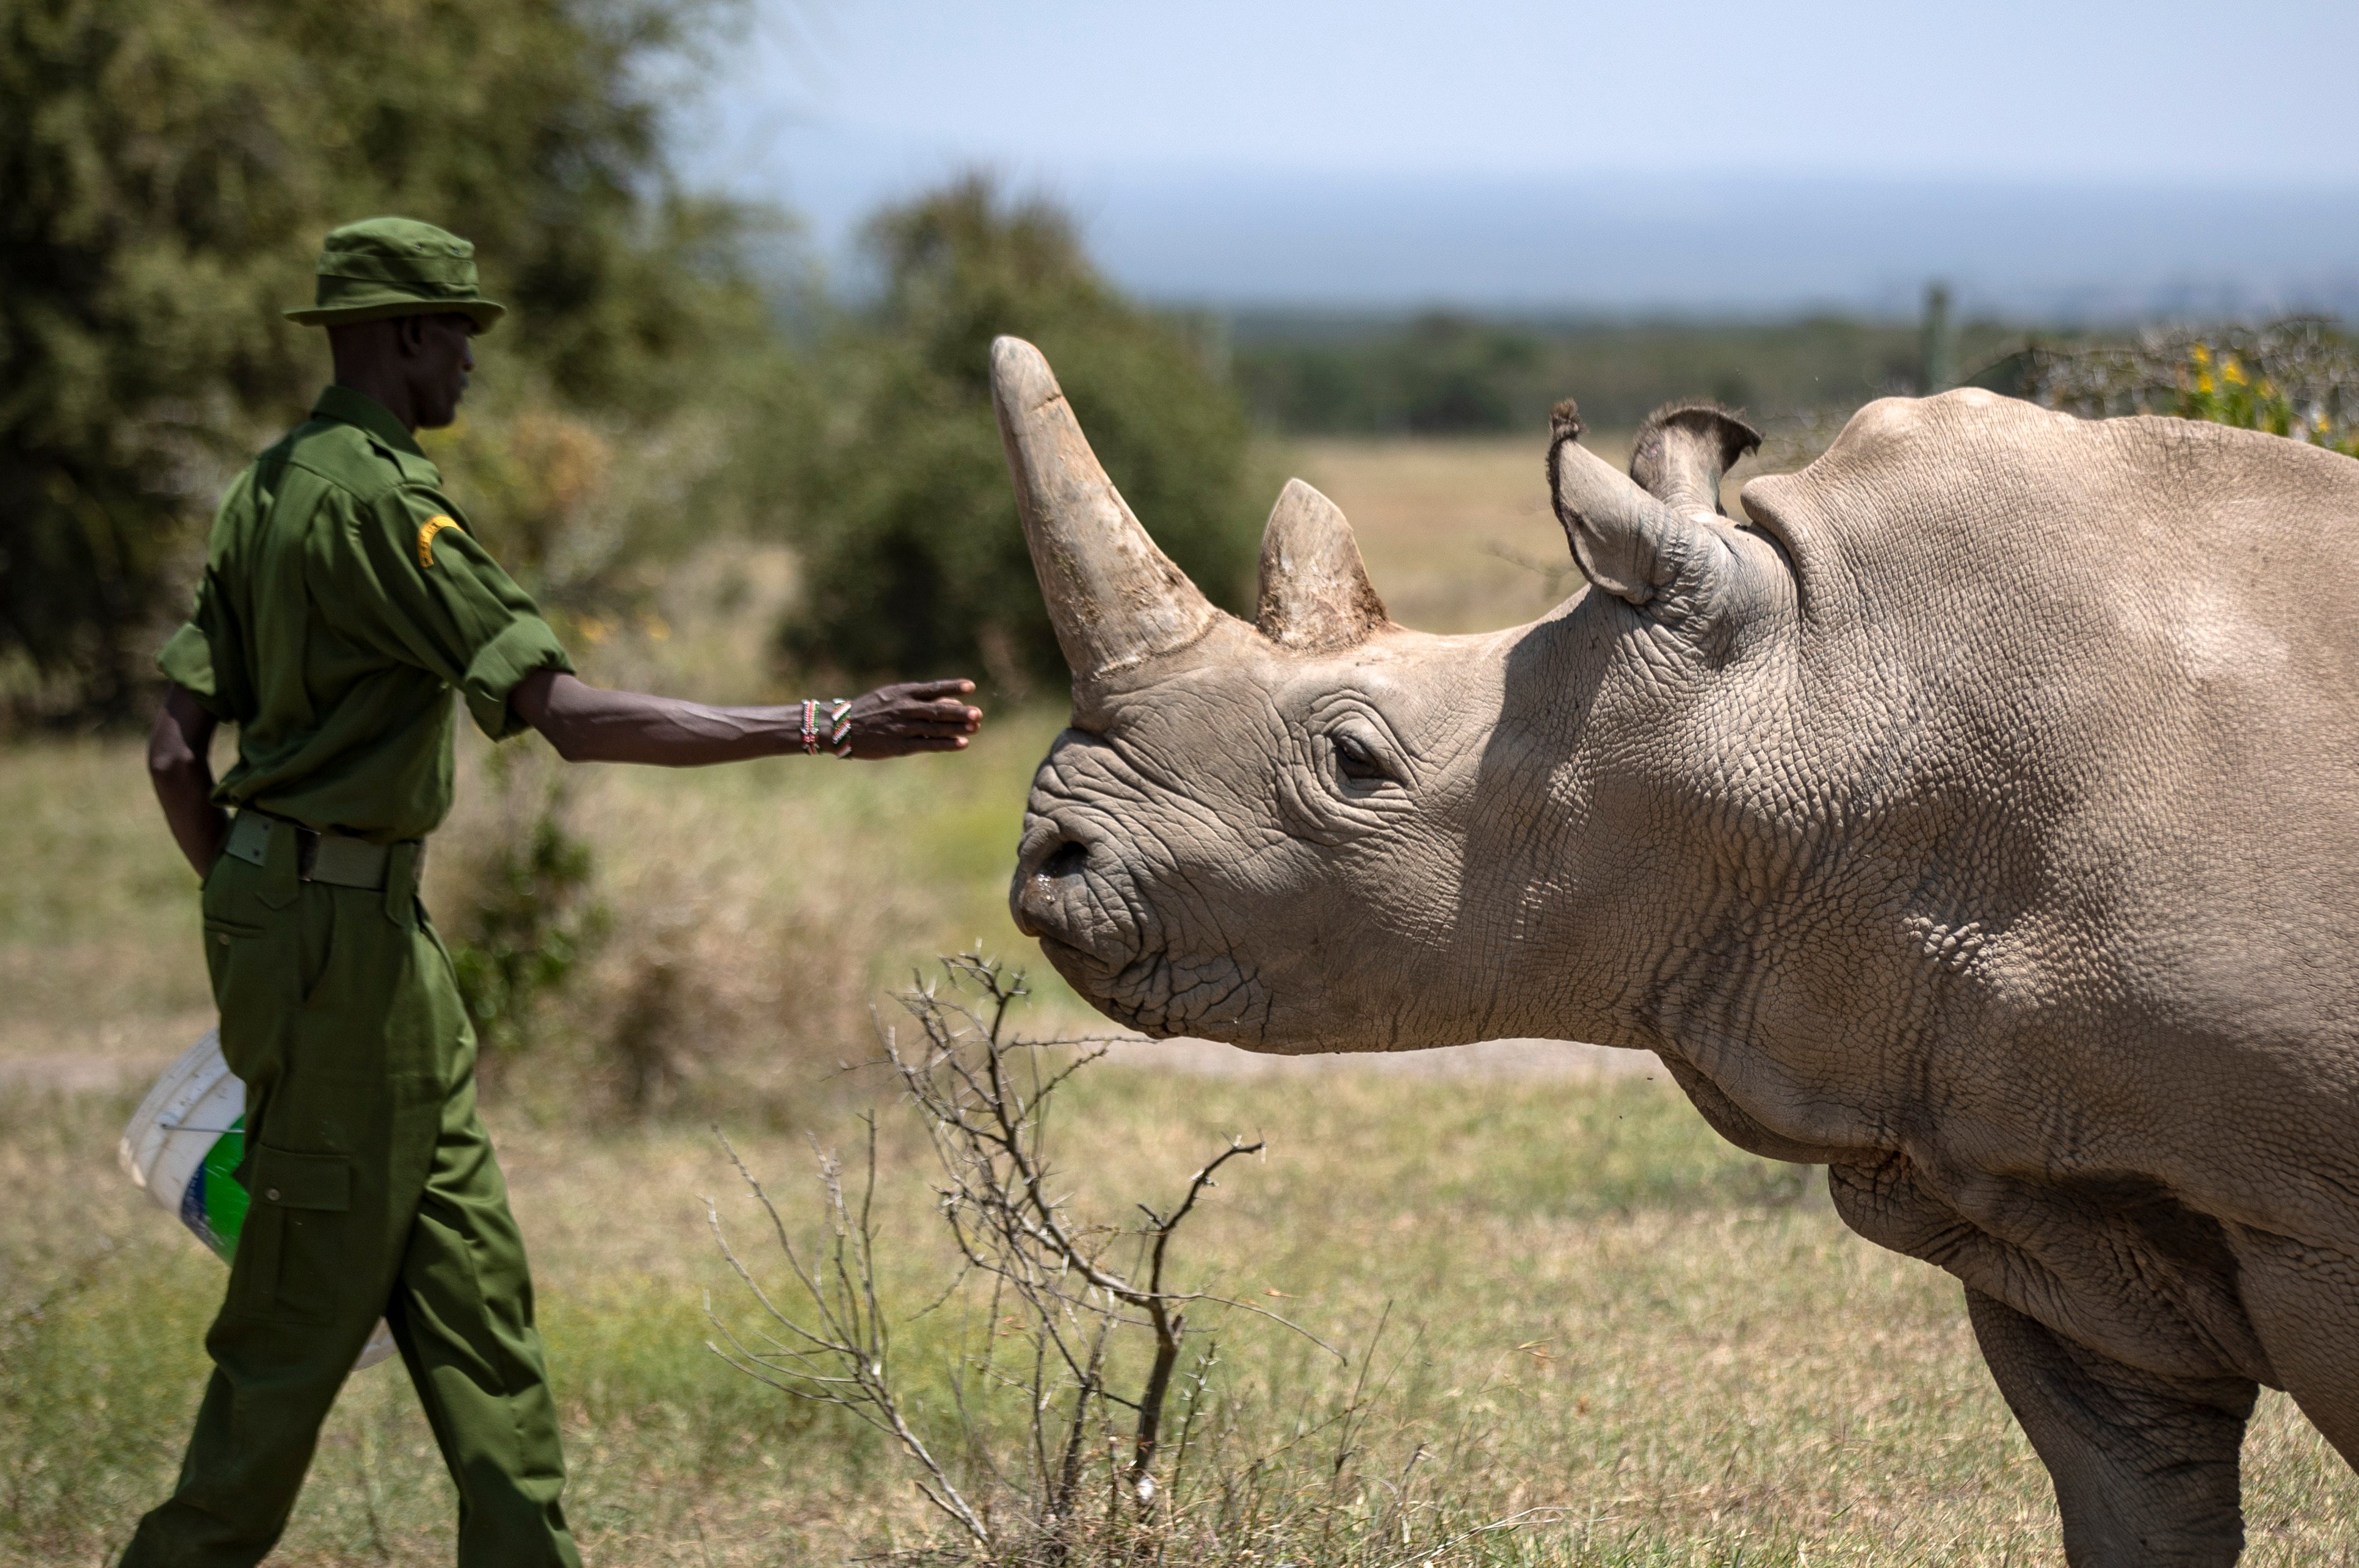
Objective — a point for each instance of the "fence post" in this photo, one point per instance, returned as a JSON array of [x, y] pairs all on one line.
[[1938, 348]]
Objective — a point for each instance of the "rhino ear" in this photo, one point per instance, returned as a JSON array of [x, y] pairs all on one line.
[[1684, 448], [1625, 540], [1315, 594], [1682, 564]]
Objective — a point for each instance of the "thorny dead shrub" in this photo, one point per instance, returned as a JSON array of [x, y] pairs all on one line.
[[1084, 1331], [2297, 377]]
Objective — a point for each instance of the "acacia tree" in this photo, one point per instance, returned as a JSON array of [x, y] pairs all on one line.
[[914, 558], [171, 165]]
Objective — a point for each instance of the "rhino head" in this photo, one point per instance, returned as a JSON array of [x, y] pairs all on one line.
[[1322, 831]]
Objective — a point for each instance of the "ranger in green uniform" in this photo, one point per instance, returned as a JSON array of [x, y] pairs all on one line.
[[344, 602]]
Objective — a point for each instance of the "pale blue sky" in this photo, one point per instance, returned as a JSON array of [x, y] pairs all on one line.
[[1231, 149]]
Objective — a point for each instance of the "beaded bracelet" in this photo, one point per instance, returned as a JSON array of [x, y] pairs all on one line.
[[839, 727]]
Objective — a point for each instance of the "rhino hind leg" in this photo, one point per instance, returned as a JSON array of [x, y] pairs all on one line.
[[2144, 1466]]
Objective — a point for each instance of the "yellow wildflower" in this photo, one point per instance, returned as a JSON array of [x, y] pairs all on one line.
[[2200, 354], [2204, 384], [2233, 372]]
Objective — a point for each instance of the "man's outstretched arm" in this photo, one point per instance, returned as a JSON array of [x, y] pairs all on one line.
[[587, 724], [180, 766]]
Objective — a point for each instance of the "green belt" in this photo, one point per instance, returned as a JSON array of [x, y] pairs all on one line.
[[333, 857]]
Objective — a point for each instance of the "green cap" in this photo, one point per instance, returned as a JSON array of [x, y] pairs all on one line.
[[395, 267]]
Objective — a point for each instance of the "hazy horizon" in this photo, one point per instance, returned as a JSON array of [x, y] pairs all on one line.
[[2056, 161]]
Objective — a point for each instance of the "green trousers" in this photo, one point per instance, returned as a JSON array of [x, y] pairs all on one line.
[[374, 1192]]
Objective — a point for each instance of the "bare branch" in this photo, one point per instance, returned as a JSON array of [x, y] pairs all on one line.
[[984, 1100]]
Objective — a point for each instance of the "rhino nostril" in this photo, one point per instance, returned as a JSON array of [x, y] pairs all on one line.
[[1035, 898]]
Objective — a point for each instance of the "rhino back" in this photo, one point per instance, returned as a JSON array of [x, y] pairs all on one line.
[[2085, 691], [2238, 549]]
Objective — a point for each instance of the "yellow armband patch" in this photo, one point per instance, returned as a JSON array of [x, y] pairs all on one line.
[[426, 532]]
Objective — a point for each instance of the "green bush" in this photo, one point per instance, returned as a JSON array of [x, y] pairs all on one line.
[[170, 167], [914, 560]]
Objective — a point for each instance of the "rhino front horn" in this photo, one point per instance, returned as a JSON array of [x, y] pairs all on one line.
[[1315, 594], [1114, 597]]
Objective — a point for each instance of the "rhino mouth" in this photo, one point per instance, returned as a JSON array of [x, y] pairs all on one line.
[[1162, 999], [1107, 942]]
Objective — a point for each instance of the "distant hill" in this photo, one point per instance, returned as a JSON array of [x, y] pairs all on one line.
[[1678, 242]]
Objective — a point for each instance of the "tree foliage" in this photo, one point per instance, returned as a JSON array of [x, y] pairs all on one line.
[[171, 165], [914, 557], [1439, 373]]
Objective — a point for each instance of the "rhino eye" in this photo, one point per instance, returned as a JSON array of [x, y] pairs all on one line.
[[1358, 762]]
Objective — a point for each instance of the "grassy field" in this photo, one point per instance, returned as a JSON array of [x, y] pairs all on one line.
[[1563, 1292]]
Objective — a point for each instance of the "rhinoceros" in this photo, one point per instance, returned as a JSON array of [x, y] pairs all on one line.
[[1978, 818]]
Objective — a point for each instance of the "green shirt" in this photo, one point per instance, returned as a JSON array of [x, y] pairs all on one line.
[[343, 602]]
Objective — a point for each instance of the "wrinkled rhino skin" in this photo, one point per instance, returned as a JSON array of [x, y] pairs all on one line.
[[1980, 820]]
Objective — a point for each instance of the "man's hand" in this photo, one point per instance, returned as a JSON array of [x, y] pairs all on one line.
[[916, 715], [180, 767], [587, 724]]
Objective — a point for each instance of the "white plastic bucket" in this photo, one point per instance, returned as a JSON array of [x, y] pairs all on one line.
[[182, 1145]]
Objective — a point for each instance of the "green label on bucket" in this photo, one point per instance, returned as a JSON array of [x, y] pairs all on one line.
[[214, 1204]]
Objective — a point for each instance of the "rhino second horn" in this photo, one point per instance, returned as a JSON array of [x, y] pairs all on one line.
[[1684, 448], [1315, 594], [1114, 597]]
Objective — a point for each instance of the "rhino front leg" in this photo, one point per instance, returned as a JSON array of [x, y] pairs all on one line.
[[2144, 1466]]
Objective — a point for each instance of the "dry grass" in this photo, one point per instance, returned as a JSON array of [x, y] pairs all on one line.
[[98, 920], [1445, 526], [1595, 1306]]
